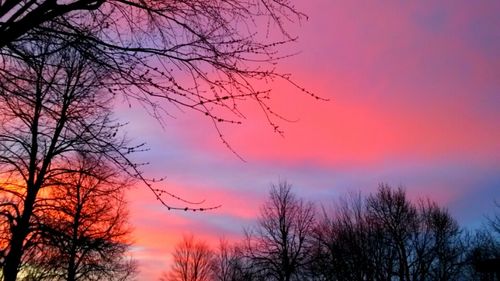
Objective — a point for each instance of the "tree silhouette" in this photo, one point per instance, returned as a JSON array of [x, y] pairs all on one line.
[[484, 251], [52, 110], [225, 262], [192, 261], [346, 243], [231, 264], [387, 237], [441, 246], [397, 217], [279, 246], [83, 225]]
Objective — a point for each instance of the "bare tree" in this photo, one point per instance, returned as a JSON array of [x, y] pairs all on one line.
[[279, 245], [225, 260], [387, 237], [52, 109], [192, 261], [427, 242], [440, 245], [347, 244], [398, 218], [484, 250], [83, 225], [231, 264]]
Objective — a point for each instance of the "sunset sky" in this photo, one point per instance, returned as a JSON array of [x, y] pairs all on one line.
[[414, 100]]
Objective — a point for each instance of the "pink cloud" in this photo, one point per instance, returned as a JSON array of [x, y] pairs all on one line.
[[358, 131]]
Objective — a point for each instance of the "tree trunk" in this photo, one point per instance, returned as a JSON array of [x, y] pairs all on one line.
[[19, 234]]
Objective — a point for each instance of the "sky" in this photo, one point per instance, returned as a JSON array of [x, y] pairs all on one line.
[[414, 100]]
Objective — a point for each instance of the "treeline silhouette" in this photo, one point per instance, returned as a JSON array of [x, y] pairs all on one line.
[[382, 237]]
